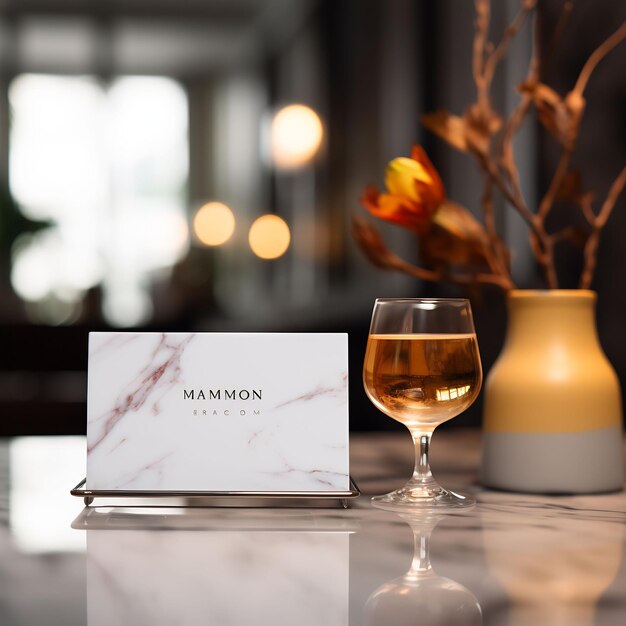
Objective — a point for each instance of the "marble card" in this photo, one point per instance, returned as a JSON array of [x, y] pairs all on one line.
[[218, 412]]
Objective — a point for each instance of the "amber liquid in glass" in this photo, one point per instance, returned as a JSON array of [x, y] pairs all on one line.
[[422, 380]]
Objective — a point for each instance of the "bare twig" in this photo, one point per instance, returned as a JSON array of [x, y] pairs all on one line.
[[569, 233], [611, 199], [591, 247], [600, 52], [395, 262], [556, 36], [542, 243], [507, 159], [512, 29], [542, 246], [517, 203], [501, 168], [481, 38], [372, 244], [575, 99], [490, 220], [476, 132], [516, 119], [587, 209], [496, 254], [562, 169], [547, 202], [484, 64]]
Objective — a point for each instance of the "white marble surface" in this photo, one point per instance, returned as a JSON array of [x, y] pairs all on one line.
[[217, 412], [247, 576], [514, 560]]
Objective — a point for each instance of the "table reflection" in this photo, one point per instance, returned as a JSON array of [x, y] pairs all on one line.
[[421, 595], [197, 566], [554, 564]]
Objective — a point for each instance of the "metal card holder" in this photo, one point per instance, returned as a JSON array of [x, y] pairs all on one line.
[[229, 498]]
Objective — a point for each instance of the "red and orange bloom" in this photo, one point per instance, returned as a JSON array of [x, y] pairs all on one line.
[[414, 192]]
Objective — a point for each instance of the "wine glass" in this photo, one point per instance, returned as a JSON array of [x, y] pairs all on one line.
[[422, 368], [421, 595]]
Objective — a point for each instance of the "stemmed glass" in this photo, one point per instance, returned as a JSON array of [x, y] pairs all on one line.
[[422, 368]]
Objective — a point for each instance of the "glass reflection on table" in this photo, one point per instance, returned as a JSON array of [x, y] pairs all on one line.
[[555, 565], [202, 566], [421, 596]]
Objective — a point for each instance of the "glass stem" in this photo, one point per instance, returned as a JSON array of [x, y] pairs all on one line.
[[421, 552], [422, 477]]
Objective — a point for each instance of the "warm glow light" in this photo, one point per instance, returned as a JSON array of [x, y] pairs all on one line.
[[214, 224], [296, 136], [269, 237]]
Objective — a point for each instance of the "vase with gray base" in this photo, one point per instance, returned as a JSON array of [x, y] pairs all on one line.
[[552, 413]]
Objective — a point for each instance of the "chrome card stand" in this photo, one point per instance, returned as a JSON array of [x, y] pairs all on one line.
[[223, 498]]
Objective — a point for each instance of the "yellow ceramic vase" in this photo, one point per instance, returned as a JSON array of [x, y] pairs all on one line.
[[553, 414]]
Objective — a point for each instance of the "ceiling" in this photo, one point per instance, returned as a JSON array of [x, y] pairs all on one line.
[[171, 37], [233, 10]]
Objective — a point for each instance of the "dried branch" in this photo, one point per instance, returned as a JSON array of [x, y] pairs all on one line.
[[507, 159], [394, 262], [481, 132], [481, 38], [481, 120], [587, 209], [573, 234], [556, 36], [600, 52], [371, 243], [547, 202], [575, 102], [543, 248], [561, 116], [456, 279], [490, 220], [611, 199], [542, 244], [516, 119], [573, 106], [512, 29], [591, 247], [497, 254]]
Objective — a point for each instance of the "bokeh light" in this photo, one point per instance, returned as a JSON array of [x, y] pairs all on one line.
[[126, 305], [296, 136], [269, 237], [214, 224], [48, 262]]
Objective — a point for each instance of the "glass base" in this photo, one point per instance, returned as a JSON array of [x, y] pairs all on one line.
[[423, 499]]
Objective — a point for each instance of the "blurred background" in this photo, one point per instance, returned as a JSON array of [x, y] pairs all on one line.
[[194, 165]]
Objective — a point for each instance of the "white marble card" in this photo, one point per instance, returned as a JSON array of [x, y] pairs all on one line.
[[218, 412]]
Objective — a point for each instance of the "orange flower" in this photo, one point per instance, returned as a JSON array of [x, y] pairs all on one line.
[[415, 191]]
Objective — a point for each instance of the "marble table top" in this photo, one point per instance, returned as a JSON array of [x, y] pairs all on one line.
[[514, 560]]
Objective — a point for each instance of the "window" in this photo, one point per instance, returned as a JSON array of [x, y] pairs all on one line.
[[106, 165]]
